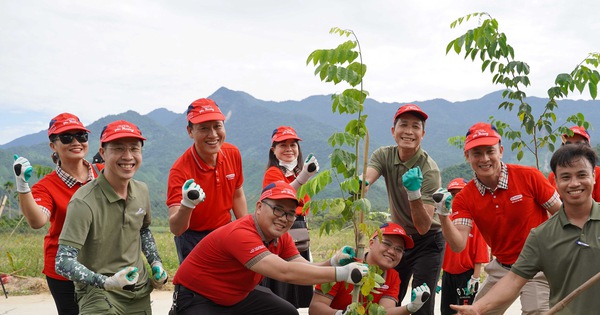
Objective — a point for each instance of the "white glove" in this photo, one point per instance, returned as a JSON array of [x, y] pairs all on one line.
[[310, 168], [351, 273], [159, 275], [125, 279], [22, 170], [343, 256], [443, 202], [192, 194], [472, 285], [419, 296]]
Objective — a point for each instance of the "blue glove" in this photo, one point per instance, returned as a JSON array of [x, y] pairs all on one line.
[[419, 296], [22, 170], [443, 201], [343, 256], [412, 181]]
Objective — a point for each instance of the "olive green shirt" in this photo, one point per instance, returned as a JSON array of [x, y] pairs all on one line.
[[106, 228], [387, 162], [568, 256]]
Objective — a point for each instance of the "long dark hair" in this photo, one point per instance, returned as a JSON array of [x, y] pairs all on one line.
[[273, 161]]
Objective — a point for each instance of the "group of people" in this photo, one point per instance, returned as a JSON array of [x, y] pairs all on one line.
[[251, 265]]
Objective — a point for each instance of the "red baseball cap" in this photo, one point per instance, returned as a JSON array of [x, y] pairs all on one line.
[[391, 228], [481, 134], [579, 130], [120, 129], [65, 122], [279, 190], [202, 110], [410, 108], [283, 133], [457, 183]]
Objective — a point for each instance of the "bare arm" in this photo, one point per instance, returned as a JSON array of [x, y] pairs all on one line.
[[503, 292], [240, 208], [391, 308], [179, 219], [36, 218], [422, 215], [555, 207], [455, 235], [295, 272], [477, 270], [371, 177]]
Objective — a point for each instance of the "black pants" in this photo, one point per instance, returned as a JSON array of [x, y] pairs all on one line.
[[298, 295], [63, 293], [260, 301], [187, 241], [422, 262], [450, 284]]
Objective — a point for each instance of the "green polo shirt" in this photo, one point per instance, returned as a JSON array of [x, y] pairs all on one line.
[[106, 228], [568, 256], [387, 162]]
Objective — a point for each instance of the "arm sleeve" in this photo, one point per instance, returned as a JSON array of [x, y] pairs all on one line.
[[149, 246], [68, 267]]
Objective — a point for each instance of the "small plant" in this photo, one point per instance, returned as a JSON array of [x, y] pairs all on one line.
[[497, 56], [337, 65]]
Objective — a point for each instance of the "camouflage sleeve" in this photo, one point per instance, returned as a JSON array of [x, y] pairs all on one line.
[[149, 246], [68, 267]]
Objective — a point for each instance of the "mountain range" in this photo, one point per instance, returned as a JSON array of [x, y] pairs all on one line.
[[251, 121]]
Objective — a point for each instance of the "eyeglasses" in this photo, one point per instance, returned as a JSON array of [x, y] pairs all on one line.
[[279, 212], [387, 244], [121, 149], [66, 138]]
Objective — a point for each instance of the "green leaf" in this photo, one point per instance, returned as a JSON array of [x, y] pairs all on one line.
[[593, 87]]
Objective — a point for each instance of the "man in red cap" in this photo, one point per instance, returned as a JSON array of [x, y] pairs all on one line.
[[412, 177], [460, 280], [221, 274], [205, 183], [107, 228], [580, 136], [505, 201], [385, 251]]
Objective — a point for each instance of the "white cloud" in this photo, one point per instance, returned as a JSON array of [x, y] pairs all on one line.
[[95, 58]]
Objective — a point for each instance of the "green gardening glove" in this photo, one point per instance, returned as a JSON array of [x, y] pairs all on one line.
[[412, 181]]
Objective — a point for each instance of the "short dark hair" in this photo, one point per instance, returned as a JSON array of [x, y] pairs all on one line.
[[568, 153]]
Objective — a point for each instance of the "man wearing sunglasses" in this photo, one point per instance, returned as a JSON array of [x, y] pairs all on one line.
[[106, 231], [385, 251], [222, 273]]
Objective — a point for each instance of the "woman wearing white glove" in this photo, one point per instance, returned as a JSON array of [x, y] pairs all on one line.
[[286, 164], [47, 200]]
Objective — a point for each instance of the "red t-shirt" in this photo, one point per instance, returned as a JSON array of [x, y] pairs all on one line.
[[218, 267], [52, 193], [274, 174], [506, 216], [218, 183], [476, 252], [341, 295], [595, 192]]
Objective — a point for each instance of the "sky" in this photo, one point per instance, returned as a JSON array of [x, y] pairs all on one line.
[[95, 58]]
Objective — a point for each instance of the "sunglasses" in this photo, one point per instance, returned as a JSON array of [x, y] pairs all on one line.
[[67, 138]]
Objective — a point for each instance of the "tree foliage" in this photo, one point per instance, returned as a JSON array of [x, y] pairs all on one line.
[[337, 65], [487, 43]]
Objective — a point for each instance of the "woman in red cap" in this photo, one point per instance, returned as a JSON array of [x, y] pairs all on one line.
[[286, 164], [47, 200]]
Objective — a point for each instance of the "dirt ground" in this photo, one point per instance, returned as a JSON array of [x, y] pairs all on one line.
[[37, 300]]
